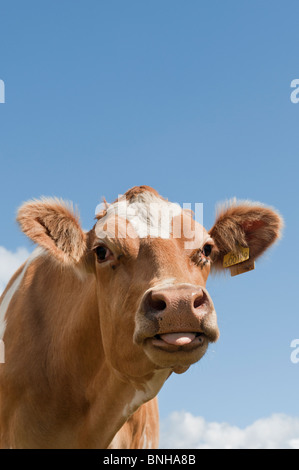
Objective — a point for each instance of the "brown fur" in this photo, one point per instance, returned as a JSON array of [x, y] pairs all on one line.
[[136, 190], [141, 431]]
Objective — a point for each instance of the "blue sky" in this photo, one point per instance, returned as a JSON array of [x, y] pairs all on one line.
[[192, 98]]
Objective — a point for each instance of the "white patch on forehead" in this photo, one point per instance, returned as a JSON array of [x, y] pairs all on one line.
[[13, 289], [148, 214]]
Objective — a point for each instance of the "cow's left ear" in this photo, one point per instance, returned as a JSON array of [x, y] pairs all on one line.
[[53, 224], [244, 224]]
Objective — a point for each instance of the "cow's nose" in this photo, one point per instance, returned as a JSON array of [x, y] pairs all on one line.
[[175, 300], [181, 308], [166, 312]]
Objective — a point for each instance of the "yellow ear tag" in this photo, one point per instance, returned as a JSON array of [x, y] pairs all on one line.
[[235, 258], [238, 262]]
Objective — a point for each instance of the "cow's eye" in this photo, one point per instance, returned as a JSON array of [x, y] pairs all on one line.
[[103, 253], [207, 249]]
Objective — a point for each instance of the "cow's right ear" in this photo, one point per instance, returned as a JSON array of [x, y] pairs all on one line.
[[53, 224]]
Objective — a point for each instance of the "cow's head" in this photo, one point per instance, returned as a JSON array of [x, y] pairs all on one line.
[[151, 261]]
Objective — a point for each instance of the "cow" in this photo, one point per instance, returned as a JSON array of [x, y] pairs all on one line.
[[94, 322]]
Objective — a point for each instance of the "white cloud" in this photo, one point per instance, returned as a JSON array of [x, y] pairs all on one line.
[[9, 263], [182, 430]]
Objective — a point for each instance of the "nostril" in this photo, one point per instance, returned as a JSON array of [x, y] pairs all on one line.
[[156, 303], [199, 300]]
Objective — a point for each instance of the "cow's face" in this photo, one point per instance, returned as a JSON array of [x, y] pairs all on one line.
[[151, 262], [152, 294]]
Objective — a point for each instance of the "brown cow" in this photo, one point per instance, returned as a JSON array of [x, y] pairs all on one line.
[[94, 323]]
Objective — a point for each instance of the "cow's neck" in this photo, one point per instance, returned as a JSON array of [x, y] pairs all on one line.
[[114, 401], [100, 396]]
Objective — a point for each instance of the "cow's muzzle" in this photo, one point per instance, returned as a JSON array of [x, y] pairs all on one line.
[[177, 319]]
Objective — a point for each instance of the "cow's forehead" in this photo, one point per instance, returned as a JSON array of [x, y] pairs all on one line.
[[148, 216]]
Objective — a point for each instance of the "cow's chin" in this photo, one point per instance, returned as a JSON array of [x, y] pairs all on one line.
[[177, 358]]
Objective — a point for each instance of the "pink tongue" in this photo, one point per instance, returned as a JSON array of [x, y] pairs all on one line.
[[178, 339]]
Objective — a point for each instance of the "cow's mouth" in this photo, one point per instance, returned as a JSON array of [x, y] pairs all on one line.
[[176, 350], [174, 342]]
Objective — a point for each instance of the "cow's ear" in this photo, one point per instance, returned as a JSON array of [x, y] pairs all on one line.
[[53, 224], [244, 224]]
